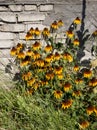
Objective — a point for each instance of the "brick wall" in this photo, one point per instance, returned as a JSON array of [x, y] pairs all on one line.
[[17, 16]]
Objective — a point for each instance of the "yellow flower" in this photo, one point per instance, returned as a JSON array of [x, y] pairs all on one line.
[[40, 62], [78, 81], [48, 48], [84, 124], [36, 45], [49, 58], [36, 55], [93, 82], [76, 93], [95, 110], [36, 86], [26, 76], [54, 25], [76, 42], [29, 53], [58, 94], [19, 46], [67, 104], [24, 63], [87, 73], [76, 68], [32, 31], [95, 33], [69, 34], [13, 51], [57, 56], [46, 32], [49, 76], [90, 110], [58, 70], [60, 23], [60, 76], [37, 32], [67, 86], [31, 82], [77, 21], [29, 92], [21, 55], [29, 36], [68, 57]]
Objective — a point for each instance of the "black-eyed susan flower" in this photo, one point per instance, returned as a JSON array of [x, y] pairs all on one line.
[[67, 103], [36, 85], [36, 55], [76, 68], [87, 73], [29, 53], [24, 63], [40, 63], [90, 110], [37, 32], [70, 34], [49, 75], [58, 94], [93, 82], [29, 92], [54, 25], [95, 110], [21, 55], [29, 36], [36, 46], [60, 76], [58, 70], [76, 93], [60, 23], [76, 42], [19, 46], [31, 31], [84, 124], [77, 21], [57, 56], [13, 51], [95, 33], [67, 86], [49, 58], [27, 76], [78, 81], [45, 32], [31, 82], [68, 57], [48, 48]]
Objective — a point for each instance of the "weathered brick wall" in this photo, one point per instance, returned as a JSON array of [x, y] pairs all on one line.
[[17, 16]]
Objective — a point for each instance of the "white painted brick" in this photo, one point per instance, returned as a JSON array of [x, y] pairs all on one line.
[[3, 8], [22, 35], [8, 17], [30, 17], [30, 7], [4, 53], [6, 43], [15, 7], [46, 7], [40, 26], [12, 27], [6, 35]]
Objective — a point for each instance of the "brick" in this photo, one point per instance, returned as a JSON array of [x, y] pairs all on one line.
[[40, 26], [46, 7], [6, 43], [30, 7], [15, 7], [24, 17], [4, 53], [3, 8], [6, 35], [12, 28], [8, 17]]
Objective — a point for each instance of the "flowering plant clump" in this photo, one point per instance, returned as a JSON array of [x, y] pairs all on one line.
[[53, 70]]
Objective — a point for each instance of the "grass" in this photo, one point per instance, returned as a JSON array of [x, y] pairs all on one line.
[[22, 112]]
